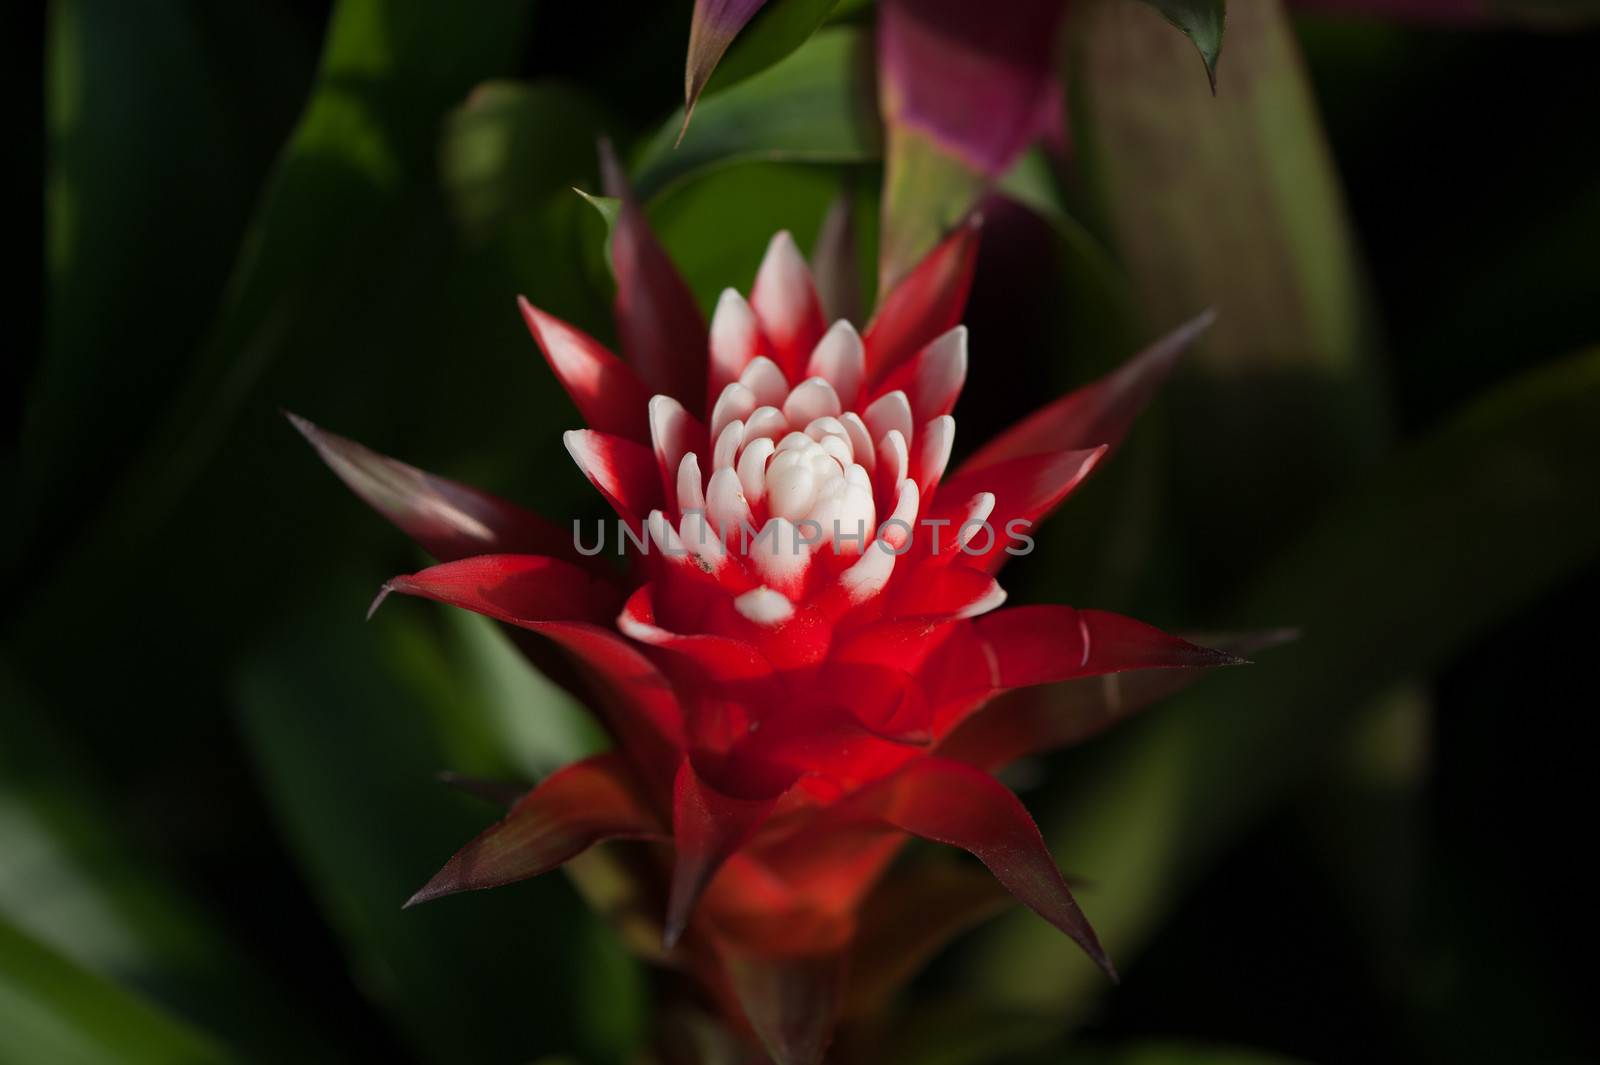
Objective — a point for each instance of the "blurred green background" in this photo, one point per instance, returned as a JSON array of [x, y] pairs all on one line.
[[217, 781]]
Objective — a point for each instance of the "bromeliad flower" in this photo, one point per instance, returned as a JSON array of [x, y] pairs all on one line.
[[798, 666]]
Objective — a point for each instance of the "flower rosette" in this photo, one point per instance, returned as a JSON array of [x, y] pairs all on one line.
[[799, 665]]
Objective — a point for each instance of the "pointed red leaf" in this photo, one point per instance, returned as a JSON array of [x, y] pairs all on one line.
[[927, 303], [1028, 722], [792, 1003], [585, 803], [1026, 490], [626, 473], [1040, 644], [1100, 412], [707, 827], [663, 333], [605, 389], [516, 589], [447, 519], [960, 806]]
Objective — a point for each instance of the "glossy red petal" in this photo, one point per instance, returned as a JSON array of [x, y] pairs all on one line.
[[1101, 412], [663, 333], [923, 306], [903, 644], [886, 701], [516, 589], [707, 827], [792, 1003], [605, 389], [447, 519], [1026, 490], [585, 803], [626, 473], [717, 660], [960, 806], [953, 591], [1041, 644]]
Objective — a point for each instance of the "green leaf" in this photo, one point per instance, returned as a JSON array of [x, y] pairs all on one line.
[[51, 1010], [814, 106], [1417, 560], [1232, 201], [349, 723], [608, 208], [73, 883], [927, 191], [1202, 22], [1176, 1052], [778, 29], [162, 121], [513, 144], [344, 193], [716, 226]]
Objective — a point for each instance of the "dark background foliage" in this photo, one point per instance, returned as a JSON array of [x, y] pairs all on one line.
[[216, 779]]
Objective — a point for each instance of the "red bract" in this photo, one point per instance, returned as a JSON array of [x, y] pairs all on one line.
[[786, 714]]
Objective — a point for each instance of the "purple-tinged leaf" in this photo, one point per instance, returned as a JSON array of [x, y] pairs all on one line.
[[713, 28], [836, 264], [792, 1003], [447, 519]]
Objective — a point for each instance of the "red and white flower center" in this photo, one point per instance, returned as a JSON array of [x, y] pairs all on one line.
[[796, 472]]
